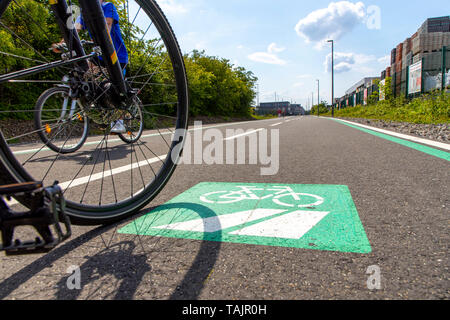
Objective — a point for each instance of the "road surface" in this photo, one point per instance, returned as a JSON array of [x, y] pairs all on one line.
[[395, 245]]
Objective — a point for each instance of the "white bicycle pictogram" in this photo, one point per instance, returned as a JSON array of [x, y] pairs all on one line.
[[246, 193]]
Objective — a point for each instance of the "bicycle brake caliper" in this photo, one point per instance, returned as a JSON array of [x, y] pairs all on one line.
[[47, 210]]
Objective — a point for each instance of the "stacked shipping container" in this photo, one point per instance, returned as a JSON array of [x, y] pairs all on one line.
[[427, 44]]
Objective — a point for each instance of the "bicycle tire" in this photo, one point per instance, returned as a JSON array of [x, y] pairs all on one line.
[[42, 132], [14, 172]]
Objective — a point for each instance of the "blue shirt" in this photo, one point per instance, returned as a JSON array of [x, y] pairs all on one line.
[[110, 11]]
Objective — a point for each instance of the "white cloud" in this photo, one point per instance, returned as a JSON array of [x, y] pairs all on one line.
[[172, 7], [270, 56], [347, 61], [332, 22], [274, 49], [385, 61], [304, 76], [298, 84], [265, 57]]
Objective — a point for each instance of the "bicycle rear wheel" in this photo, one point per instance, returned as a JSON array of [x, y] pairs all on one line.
[[109, 177]]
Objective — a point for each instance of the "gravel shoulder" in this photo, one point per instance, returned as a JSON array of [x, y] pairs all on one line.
[[436, 132]]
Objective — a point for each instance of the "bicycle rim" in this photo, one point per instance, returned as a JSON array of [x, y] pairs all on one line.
[[107, 178], [56, 114]]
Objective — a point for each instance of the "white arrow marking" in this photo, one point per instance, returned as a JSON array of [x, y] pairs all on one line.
[[214, 224], [293, 225]]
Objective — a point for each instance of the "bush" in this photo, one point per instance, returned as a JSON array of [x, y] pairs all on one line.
[[430, 108]]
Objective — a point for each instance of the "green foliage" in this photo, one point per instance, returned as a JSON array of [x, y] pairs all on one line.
[[323, 108], [374, 97], [386, 89], [27, 19], [216, 87], [429, 108]]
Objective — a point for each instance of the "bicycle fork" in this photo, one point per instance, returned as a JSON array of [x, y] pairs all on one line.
[[95, 21]]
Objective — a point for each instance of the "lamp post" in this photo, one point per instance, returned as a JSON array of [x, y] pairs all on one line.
[[332, 77], [318, 97]]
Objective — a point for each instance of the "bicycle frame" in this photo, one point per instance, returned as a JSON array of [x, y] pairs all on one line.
[[95, 21]]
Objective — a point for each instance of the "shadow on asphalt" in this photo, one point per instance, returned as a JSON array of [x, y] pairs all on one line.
[[121, 254], [83, 157]]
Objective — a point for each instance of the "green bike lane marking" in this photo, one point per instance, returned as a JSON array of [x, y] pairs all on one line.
[[419, 147], [317, 217]]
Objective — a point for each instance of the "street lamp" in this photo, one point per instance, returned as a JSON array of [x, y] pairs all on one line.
[[318, 97], [332, 77]]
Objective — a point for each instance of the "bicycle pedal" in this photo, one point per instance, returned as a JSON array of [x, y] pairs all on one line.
[[48, 211], [29, 247]]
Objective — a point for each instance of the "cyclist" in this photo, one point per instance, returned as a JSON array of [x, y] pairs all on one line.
[[112, 22]]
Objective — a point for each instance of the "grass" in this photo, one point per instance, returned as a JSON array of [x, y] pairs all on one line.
[[432, 108], [264, 117]]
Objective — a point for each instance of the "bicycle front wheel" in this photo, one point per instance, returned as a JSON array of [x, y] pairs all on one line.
[[60, 121], [107, 177]]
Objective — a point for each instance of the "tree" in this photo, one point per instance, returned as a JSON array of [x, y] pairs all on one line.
[[374, 97], [386, 89], [323, 108], [216, 87]]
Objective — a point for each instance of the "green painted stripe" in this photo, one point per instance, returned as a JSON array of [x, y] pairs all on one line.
[[419, 147]]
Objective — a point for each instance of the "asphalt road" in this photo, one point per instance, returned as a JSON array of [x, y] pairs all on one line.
[[401, 196]]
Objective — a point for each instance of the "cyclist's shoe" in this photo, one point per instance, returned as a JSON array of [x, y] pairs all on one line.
[[118, 127]]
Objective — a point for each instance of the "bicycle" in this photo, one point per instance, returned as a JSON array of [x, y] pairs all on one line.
[[103, 180], [52, 116], [246, 193]]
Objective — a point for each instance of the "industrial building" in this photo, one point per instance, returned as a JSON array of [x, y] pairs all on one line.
[[285, 106], [359, 93]]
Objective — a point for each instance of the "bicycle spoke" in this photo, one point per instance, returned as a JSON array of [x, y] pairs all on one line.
[[57, 156], [82, 167], [143, 154], [70, 120], [110, 170], [28, 45], [160, 115], [93, 168]]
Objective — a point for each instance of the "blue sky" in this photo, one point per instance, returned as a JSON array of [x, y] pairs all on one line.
[[281, 41]]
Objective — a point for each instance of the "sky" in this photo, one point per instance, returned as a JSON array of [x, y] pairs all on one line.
[[283, 42]]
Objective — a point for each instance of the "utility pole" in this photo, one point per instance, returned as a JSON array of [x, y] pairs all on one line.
[[332, 77]]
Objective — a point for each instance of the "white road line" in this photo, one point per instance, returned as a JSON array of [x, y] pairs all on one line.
[[293, 225], [276, 124], [436, 144], [28, 151], [221, 222], [101, 175], [243, 134]]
